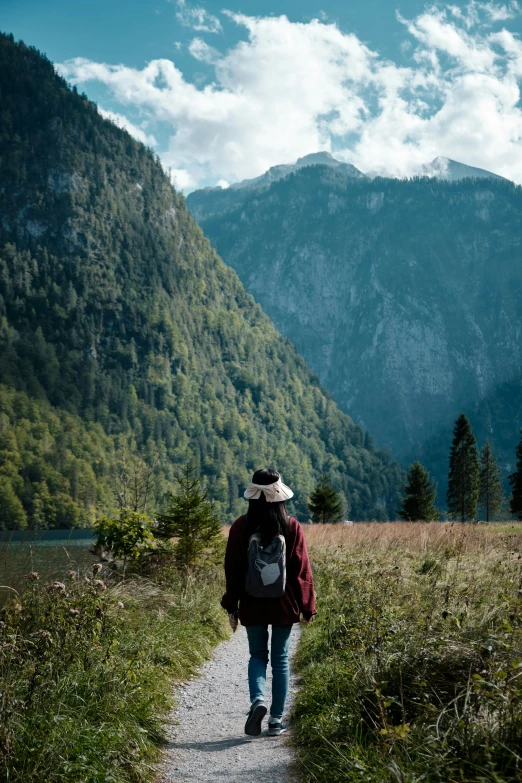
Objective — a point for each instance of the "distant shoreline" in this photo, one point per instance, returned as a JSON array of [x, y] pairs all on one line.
[[63, 534]]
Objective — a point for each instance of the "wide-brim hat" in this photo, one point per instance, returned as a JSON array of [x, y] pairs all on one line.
[[274, 493]]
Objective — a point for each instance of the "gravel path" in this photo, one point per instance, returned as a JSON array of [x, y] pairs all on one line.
[[207, 743]]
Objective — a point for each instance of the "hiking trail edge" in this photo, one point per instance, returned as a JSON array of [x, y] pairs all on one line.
[[207, 743]]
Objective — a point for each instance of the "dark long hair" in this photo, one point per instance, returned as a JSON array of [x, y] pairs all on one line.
[[270, 518]]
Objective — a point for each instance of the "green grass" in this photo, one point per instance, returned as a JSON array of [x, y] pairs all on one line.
[[87, 671], [412, 670]]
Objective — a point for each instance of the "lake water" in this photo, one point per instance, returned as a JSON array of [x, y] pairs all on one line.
[[49, 552]]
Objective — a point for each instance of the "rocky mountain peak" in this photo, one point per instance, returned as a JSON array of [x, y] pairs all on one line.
[[452, 170], [276, 173]]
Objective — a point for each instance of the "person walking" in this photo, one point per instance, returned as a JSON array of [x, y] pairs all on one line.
[[269, 582]]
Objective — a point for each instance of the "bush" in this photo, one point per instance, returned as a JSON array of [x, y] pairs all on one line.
[[126, 536]]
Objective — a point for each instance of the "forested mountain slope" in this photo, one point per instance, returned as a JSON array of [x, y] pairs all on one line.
[[404, 296], [118, 321]]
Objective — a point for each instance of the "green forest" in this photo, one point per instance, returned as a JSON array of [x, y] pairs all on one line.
[[120, 324]]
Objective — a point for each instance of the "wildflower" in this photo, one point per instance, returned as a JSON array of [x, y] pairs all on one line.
[[97, 567], [99, 583], [58, 586], [121, 605], [71, 574], [74, 612], [44, 635], [34, 575]]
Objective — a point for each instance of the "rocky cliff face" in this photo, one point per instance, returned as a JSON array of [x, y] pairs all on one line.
[[404, 296]]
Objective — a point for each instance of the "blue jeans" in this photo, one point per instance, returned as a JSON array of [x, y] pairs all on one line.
[[258, 646]]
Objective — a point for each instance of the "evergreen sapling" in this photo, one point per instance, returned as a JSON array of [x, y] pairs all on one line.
[[325, 504], [191, 519]]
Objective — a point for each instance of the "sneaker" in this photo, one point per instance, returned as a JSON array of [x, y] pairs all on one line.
[[276, 727], [255, 717]]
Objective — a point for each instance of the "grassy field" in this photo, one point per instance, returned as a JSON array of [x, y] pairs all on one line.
[[86, 671], [413, 669]]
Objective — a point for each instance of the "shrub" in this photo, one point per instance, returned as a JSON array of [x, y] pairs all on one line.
[[125, 536]]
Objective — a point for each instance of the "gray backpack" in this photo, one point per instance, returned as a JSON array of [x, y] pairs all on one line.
[[266, 575]]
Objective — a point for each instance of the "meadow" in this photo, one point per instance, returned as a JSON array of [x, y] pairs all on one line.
[[87, 664], [412, 670]]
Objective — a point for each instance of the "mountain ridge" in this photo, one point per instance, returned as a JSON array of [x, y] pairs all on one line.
[[115, 310], [401, 295], [441, 168], [275, 173], [452, 170]]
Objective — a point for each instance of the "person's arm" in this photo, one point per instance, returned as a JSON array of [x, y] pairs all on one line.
[[300, 572], [234, 570]]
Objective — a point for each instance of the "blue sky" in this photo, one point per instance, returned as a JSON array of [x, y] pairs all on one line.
[[223, 91], [137, 31]]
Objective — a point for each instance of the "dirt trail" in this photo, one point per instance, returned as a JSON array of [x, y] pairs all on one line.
[[207, 743]]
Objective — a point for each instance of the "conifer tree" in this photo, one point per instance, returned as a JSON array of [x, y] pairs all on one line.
[[191, 519], [491, 492], [325, 504], [464, 472], [420, 493], [515, 501]]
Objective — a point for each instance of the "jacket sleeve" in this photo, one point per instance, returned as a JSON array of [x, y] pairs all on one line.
[[234, 570], [301, 575]]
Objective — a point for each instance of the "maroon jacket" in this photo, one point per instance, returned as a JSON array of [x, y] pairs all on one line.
[[299, 595]]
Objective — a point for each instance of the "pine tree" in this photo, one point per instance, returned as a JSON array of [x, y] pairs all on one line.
[[191, 519], [515, 501], [464, 472], [325, 504], [420, 493], [491, 492]]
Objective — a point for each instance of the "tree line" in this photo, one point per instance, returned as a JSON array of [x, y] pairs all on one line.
[[474, 484]]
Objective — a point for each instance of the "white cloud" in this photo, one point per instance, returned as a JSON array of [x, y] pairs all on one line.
[[122, 122], [476, 13], [500, 13], [437, 34], [197, 18], [181, 179], [293, 88], [203, 52]]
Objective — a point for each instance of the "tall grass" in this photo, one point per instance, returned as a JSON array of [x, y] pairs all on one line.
[[413, 668], [86, 669]]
